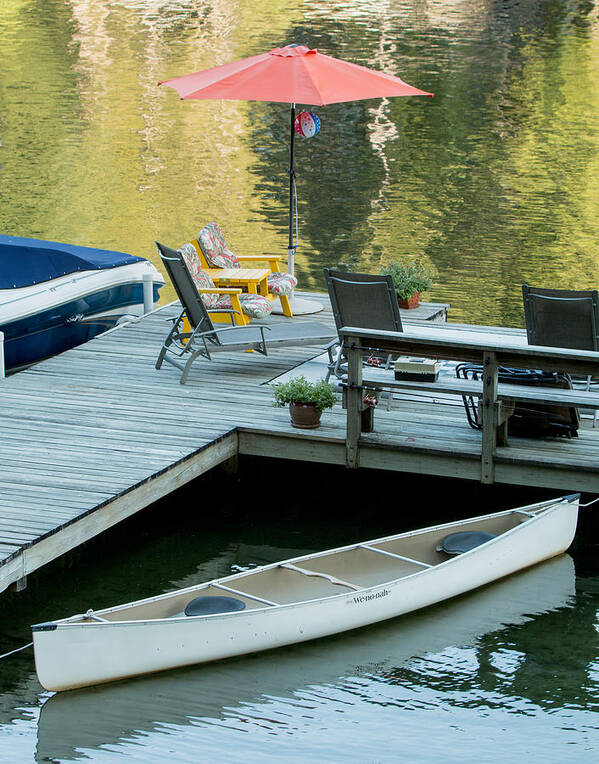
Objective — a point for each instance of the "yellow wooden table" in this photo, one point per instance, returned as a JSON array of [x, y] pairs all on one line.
[[255, 280]]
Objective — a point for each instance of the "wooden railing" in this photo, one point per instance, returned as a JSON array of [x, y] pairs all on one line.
[[491, 350]]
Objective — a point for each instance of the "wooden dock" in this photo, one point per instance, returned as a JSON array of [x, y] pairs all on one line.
[[96, 434]]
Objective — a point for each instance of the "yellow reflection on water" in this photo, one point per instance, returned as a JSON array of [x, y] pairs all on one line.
[[493, 182]]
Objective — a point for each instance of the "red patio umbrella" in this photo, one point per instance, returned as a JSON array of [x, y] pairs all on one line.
[[293, 74]]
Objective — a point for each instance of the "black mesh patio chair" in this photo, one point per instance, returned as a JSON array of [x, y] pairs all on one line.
[[529, 420], [562, 318], [555, 318], [362, 300], [182, 346]]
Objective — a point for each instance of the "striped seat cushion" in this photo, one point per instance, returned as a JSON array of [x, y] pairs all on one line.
[[253, 305], [201, 279], [212, 243], [281, 283]]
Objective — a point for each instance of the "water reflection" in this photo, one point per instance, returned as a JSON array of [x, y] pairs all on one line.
[[520, 664], [497, 628], [494, 181]]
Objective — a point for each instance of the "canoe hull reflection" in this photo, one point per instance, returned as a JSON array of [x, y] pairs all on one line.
[[309, 597], [104, 715]]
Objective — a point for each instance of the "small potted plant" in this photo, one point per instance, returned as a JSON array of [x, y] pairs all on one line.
[[409, 281], [307, 400]]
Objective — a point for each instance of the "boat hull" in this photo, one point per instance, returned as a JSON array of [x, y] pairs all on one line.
[[70, 721], [66, 326], [70, 655], [40, 319]]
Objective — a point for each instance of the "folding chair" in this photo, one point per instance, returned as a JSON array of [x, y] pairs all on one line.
[[181, 347]]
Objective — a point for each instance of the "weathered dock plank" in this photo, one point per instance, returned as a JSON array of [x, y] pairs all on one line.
[[96, 434]]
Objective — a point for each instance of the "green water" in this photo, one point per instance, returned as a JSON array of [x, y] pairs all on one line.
[[492, 182], [501, 674]]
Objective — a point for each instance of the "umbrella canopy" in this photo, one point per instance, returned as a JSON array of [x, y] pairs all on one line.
[[293, 74]]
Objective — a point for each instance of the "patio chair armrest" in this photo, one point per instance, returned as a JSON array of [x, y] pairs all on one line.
[[233, 293], [272, 260], [217, 290], [259, 257], [229, 328], [177, 319]]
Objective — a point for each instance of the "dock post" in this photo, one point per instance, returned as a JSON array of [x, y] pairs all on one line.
[[2, 369], [148, 287], [490, 417], [354, 401], [20, 584]]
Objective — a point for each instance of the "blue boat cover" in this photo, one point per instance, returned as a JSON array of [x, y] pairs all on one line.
[[24, 262]]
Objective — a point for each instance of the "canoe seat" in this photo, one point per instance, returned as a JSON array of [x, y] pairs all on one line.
[[209, 605], [464, 541]]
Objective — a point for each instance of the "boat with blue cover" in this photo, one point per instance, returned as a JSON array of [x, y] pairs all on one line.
[[55, 296]]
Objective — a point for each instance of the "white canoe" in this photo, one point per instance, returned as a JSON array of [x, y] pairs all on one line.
[[71, 721], [302, 598]]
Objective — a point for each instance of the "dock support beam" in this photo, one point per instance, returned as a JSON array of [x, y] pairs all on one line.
[[490, 417], [354, 402], [20, 584]]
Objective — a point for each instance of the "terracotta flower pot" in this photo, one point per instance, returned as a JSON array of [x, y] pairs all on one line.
[[411, 302], [304, 415]]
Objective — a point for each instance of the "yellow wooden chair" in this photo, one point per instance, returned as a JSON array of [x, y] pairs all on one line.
[[213, 252], [238, 307]]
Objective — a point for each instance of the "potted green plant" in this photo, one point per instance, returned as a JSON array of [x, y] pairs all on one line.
[[409, 281], [307, 400]]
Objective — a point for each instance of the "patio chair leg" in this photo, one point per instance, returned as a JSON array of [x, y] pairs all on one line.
[[286, 305], [164, 350], [186, 370], [168, 341], [333, 361], [596, 412], [187, 367], [160, 358]]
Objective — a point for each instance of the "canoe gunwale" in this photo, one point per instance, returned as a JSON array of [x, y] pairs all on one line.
[[542, 509], [67, 658]]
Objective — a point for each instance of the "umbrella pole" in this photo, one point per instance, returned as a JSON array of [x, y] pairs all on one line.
[[299, 305], [291, 248]]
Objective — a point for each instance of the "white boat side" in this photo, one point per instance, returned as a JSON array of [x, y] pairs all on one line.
[[69, 721], [379, 579], [16, 304]]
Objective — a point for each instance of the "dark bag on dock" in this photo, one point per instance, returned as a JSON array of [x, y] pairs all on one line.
[[529, 420]]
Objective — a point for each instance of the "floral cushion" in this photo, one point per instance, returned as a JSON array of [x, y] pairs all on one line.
[[253, 305], [212, 243], [201, 279], [281, 283]]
